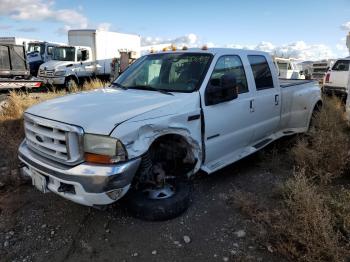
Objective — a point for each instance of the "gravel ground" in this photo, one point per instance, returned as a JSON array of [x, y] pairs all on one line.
[[42, 227]]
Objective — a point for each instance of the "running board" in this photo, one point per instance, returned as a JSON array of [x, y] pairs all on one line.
[[262, 143]]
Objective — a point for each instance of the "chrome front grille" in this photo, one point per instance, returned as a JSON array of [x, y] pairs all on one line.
[[43, 72], [54, 140]]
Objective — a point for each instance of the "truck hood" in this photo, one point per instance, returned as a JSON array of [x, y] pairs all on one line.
[[100, 111], [55, 64]]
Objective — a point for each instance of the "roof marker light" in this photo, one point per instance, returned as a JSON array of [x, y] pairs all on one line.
[[205, 47]]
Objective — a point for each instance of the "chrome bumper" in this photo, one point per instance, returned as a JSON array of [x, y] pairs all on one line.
[[91, 182], [52, 80]]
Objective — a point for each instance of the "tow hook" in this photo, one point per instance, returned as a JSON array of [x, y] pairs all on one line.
[[66, 188]]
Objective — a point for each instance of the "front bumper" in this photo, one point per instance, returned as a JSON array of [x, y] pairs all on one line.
[[91, 182], [53, 80]]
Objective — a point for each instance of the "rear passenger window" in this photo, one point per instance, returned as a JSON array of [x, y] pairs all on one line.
[[341, 65], [231, 65], [261, 72]]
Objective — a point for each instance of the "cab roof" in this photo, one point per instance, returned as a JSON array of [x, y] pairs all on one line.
[[215, 51]]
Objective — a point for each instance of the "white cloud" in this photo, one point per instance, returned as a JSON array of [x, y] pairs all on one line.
[[63, 30], [297, 50], [345, 26], [5, 27], [28, 29], [190, 40], [104, 26], [38, 10]]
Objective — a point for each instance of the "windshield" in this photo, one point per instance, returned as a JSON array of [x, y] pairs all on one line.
[[174, 72], [36, 47], [64, 54]]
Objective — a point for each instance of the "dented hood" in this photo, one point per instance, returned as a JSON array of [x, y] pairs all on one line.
[[101, 110]]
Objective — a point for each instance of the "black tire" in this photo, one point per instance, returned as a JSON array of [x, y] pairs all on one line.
[[140, 206], [69, 82]]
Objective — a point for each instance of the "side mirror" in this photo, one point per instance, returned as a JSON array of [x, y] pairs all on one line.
[[221, 90]]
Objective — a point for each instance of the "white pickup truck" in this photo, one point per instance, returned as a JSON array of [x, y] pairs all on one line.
[[167, 116], [336, 79]]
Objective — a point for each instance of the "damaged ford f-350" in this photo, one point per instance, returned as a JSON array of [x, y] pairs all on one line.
[[167, 116]]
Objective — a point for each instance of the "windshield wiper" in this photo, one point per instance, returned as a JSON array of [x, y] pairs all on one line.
[[151, 88], [119, 85]]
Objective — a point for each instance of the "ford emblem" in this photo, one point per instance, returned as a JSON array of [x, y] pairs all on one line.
[[39, 138]]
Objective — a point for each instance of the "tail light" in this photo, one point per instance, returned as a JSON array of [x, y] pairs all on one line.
[[327, 77]]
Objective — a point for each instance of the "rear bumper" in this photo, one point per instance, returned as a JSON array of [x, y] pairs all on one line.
[[334, 90], [92, 183]]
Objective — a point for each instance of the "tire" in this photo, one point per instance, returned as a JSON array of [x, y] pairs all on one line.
[[140, 206], [69, 83]]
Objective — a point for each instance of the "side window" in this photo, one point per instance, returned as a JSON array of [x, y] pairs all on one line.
[[49, 50], [261, 72], [341, 65], [232, 65], [84, 55]]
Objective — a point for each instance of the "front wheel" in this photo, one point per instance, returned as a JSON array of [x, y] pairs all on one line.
[[70, 84], [160, 203]]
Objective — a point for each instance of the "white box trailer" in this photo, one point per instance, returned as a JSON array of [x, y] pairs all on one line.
[[105, 45]]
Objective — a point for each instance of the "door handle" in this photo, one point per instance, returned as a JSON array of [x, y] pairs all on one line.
[[277, 100], [251, 105]]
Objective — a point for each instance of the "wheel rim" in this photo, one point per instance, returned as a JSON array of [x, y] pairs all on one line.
[[163, 192]]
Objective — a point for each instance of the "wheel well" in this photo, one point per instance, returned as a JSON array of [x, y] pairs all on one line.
[[73, 77], [318, 106], [170, 155]]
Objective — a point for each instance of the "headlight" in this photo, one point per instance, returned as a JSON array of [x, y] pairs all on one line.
[[103, 149], [60, 73]]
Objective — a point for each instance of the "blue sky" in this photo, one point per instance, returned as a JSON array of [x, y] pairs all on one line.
[[293, 26]]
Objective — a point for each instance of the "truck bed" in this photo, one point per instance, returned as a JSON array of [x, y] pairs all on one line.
[[293, 82]]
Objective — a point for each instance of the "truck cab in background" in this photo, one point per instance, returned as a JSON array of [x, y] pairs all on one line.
[[39, 52], [89, 54], [68, 64], [287, 69]]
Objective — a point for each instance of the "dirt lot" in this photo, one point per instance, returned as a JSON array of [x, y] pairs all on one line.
[[37, 227]]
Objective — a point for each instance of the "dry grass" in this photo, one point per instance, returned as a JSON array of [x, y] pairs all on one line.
[[311, 220], [324, 153]]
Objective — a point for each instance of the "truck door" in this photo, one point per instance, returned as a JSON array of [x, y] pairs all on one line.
[[86, 69], [266, 103], [228, 123]]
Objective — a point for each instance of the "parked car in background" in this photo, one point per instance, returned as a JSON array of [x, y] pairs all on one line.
[[167, 116], [336, 79], [89, 53], [287, 69], [14, 69]]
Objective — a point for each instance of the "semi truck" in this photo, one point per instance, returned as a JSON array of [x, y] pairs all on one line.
[[89, 53], [14, 69], [169, 115]]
